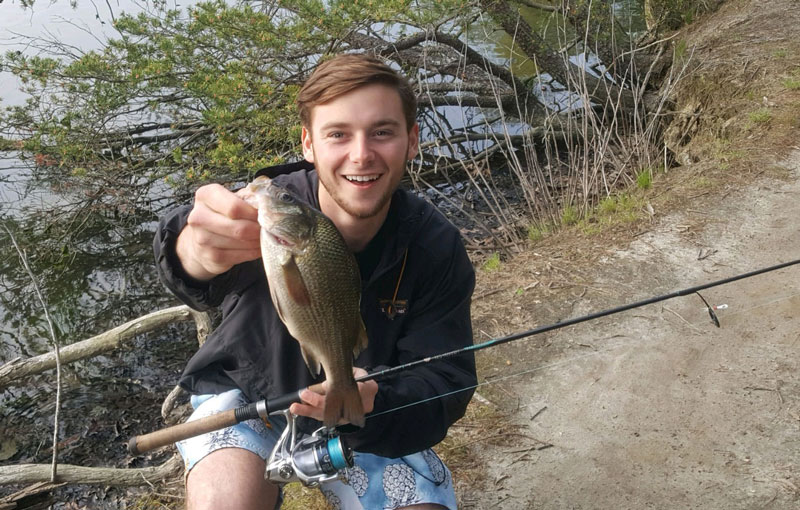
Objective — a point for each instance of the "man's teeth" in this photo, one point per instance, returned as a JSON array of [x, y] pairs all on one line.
[[361, 178]]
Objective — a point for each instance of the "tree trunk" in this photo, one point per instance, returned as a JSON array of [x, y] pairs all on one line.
[[599, 39], [547, 60]]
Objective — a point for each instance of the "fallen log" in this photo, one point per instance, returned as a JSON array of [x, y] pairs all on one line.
[[104, 342], [67, 473]]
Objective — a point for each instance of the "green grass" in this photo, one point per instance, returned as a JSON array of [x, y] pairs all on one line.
[[297, 497], [760, 116], [570, 215], [7, 145], [613, 210], [781, 53], [702, 182], [644, 179], [680, 50], [722, 149], [537, 232], [492, 263], [793, 82]]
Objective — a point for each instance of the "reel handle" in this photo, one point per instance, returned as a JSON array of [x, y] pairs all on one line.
[[146, 442]]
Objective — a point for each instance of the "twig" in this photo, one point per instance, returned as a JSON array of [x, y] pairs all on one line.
[[23, 258], [538, 413], [681, 318], [487, 293]]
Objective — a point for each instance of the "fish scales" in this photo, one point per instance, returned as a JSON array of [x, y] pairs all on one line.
[[315, 286]]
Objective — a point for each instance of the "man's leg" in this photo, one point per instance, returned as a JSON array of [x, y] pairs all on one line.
[[230, 478], [225, 468], [419, 481]]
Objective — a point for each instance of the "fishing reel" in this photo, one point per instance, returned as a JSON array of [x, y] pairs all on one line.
[[310, 460]]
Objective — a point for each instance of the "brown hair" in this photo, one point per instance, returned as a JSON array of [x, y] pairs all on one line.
[[345, 73]]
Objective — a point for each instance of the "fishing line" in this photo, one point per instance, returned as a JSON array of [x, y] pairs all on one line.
[[497, 380], [731, 313], [569, 322]]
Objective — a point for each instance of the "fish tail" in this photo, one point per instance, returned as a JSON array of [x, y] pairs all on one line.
[[343, 402]]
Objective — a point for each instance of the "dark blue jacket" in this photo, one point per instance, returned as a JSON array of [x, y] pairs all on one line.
[[430, 314]]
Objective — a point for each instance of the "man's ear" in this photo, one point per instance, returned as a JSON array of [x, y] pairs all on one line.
[[308, 148], [413, 142]]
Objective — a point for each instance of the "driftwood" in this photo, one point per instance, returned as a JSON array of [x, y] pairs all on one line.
[[104, 342], [169, 404], [40, 474], [35, 473], [38, 496]]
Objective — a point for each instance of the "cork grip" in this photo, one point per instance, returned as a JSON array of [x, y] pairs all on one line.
[[163, 437]]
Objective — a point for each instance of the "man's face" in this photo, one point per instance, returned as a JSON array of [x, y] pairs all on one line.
[[359, 144]]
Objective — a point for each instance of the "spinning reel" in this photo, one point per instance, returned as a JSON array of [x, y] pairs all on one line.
[[310, 460]]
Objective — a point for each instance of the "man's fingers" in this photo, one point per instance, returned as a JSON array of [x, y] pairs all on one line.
[[311, 406], [312, 398], [225, 202], [238, 235], [206, 220]]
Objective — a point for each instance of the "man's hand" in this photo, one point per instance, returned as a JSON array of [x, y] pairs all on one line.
[[222, 230], [313, 403]]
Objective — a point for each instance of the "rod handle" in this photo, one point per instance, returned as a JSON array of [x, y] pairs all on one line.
[[284, 401], [146, 442]]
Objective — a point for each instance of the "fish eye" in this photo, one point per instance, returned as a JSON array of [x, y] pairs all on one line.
[[286, 197]]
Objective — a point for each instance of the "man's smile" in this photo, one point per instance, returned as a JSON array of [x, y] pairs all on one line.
[[362, 178]]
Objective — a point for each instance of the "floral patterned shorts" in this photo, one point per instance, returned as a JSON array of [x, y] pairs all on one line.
[[372, 483]]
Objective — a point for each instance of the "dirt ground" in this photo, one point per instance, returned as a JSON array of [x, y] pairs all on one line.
[[656, 407]]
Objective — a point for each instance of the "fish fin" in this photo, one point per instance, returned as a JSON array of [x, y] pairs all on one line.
[[294, 283], [343, 403], [361, 341], [313, 365]]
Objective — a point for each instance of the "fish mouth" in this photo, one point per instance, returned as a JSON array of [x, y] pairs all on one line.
[[276, 239]]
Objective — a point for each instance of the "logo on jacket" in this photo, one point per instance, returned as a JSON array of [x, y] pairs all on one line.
[[393, 307]]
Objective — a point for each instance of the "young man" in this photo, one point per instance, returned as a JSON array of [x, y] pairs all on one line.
[[359, 131]]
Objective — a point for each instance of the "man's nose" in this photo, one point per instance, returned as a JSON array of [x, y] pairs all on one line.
[[361, 150]]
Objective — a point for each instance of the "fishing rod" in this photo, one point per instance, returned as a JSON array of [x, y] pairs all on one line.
[[324, 446]]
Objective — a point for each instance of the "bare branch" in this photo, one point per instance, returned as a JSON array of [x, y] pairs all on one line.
[[103, 342], [33, 473], [56, 353]]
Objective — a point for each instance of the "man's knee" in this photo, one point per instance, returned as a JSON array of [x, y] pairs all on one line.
[[230, 478]]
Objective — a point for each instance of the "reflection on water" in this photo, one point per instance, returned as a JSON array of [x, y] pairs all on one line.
[[92, 257]]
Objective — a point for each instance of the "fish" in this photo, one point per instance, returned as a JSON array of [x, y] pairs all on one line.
[[315, 285]]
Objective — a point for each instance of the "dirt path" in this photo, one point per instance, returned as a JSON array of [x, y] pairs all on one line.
[[656, 407]]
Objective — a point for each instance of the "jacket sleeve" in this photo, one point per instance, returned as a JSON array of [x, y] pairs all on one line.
[[196, 294], [414, 408]]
